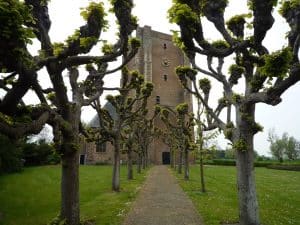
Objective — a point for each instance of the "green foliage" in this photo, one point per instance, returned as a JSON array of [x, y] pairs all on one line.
[[229, 130], [220, 44], [134, 43], [147, 89], [223, 101], [40, 153], [14, 15], [176, 39], [251, 3], [10, 156], [235, 20], [165, 113], [205, 85], [183, 72], [117, 4], [87, 41], [235, 69], [73, 37], [107, 48], [182, 14], [237, 98], [182, 109], [58, 48], [15, 35], [287, 6], [97, 11], [277, 64], [240, 145]]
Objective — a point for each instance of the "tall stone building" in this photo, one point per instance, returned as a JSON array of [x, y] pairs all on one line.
[[157, 59]]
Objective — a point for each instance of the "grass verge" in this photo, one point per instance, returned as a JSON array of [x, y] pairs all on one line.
[[278, 195], [33, 196]]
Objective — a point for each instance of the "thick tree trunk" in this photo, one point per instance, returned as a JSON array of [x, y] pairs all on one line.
[[116, 167], [186, 165], [248, 205], [180, 162], [70, 210], [70, 188], [129, 165]]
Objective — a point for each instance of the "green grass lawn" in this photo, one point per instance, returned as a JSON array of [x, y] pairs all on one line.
[[278, 195], [33, 196]]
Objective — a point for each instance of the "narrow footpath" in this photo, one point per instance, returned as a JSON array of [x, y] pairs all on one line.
[[162, 202]]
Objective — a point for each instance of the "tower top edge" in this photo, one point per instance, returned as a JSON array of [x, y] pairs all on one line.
[[155, 34]]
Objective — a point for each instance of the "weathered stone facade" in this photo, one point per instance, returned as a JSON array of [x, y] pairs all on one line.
[[157, 59]]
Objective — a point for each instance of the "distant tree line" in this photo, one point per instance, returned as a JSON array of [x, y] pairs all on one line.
[[284, 147]]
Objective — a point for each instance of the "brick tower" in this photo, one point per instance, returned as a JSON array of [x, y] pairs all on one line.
[[157, 59]]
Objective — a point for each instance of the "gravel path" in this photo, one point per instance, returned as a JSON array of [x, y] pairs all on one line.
[[162, 202]]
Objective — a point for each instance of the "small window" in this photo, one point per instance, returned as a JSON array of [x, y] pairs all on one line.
[[165, 46], [157, 99], [100, 147], [165, 76]]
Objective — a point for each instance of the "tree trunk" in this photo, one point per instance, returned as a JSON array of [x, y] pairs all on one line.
[[70, 210], [146, 157], [116, 167], [129, 165], [144, 160], [172, 158], [186, 165], [139, 168], [70, 188], [248, 205], [202, 171], [180, 162]]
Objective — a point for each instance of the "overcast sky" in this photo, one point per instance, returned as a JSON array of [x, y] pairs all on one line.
[[284, 117]]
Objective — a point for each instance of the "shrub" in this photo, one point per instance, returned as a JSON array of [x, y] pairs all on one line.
[[40, 153], [231, 162], [223, 162], [10, 156], [263, 163], [285, 167]]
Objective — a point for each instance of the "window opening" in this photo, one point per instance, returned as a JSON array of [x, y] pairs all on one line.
[[165, 77], [157, 99], [100, 147]]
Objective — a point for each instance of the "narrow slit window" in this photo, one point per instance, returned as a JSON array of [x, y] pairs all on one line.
[[157, 99], [165, 76], [165, 46]]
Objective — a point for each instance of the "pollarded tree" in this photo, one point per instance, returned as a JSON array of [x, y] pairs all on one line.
[[266, 75], [23, 20], [127, 105], [180, 124], [144, 133]]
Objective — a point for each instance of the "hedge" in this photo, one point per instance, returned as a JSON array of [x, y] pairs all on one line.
[[285, 167]]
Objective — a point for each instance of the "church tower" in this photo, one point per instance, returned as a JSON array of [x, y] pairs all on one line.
[[157, 59]]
